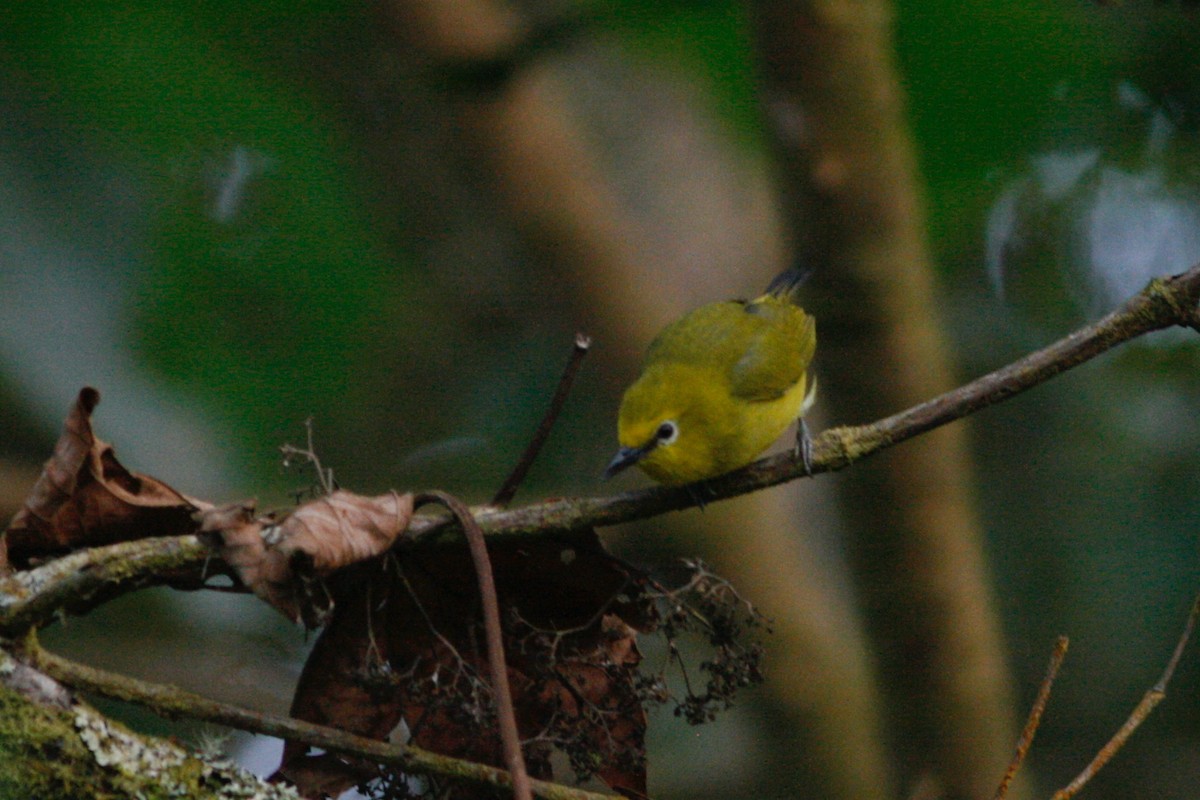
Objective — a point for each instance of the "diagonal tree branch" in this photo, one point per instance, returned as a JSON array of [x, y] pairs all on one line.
[[1164, 303], [82, 580], [172, 702], [58, 746]]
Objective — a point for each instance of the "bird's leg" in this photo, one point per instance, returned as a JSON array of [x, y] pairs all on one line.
[[803, 449], [700, 492]]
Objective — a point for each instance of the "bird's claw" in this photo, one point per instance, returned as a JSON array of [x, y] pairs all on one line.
[[700, 493], [803, 451]]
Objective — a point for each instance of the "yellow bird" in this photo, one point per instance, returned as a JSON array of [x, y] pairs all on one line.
[[719, 386]]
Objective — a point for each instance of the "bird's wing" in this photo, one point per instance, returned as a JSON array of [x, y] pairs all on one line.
[[763, 346], [695, 338], [780, 340]]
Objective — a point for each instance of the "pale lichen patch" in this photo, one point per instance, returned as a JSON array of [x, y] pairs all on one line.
[[173, 771]]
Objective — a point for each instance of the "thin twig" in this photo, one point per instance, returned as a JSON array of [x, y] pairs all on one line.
[[324, 476], [464, 667], [510, 738], [171, 702], [1151, 699], [1035, 717], [513, 482]]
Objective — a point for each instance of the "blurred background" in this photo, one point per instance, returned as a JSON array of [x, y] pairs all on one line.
[[393, 217]]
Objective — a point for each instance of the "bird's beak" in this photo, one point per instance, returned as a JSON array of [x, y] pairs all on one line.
[[625, 457]]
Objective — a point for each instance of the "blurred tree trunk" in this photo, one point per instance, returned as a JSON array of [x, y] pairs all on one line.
[[833, 95], [526, 138]]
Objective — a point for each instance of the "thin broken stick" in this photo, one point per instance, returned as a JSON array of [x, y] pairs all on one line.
[[1151, 699], [1035, 716], [513, 482], [309, 454]]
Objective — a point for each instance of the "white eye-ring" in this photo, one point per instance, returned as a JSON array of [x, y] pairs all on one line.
[[667, 432]]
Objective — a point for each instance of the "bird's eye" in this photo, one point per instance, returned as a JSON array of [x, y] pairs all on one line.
[[667, 432]]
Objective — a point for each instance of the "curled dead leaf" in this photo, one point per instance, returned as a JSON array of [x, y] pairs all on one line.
[[86, 497], [284, 562], [344, 528]]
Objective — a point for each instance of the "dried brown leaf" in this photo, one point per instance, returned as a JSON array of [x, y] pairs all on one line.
[[284, 562], [405, 643], [344, 528], [85, 497]]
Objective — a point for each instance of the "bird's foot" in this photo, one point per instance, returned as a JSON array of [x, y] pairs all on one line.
[[700, 493], [803, 451]]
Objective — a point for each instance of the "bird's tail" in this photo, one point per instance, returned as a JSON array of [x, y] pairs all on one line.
[[787, 283]]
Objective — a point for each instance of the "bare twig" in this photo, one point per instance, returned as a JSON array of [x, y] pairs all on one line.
[[509, 736], [1151, 699], [172, 702], [1035, 717], [513, 482], [309, 454]]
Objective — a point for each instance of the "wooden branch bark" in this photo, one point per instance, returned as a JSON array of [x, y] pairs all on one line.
[[169, 701], [1165, 303], [36, 597], [833, 89]]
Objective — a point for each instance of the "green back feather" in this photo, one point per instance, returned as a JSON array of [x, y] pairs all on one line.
[[762, 347]]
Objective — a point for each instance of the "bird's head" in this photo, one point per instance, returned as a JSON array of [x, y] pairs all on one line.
[[661, 427]]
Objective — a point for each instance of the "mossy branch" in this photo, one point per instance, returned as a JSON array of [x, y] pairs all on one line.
[[81, 580], [172, 702], [54, 745]]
